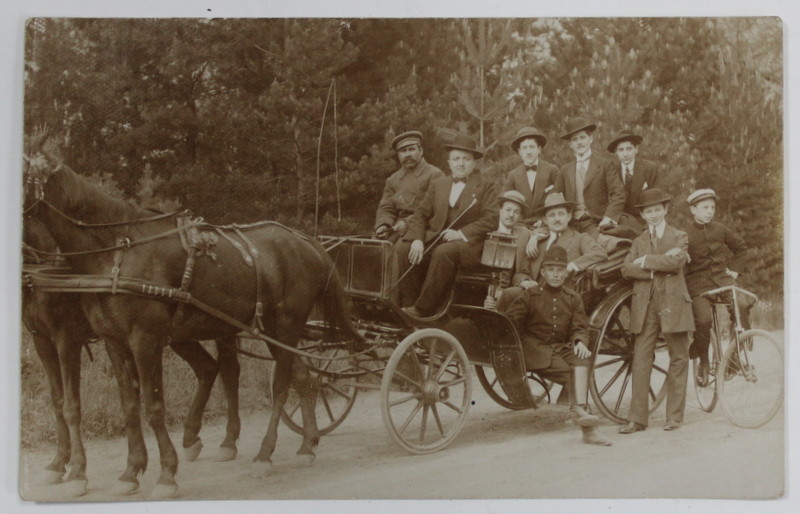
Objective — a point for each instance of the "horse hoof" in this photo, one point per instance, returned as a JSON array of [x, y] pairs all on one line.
[[307, 460], [50, 477], [261, 469], [192, 452], [123, 488], [164, 491], [225, 454], [75, 488]]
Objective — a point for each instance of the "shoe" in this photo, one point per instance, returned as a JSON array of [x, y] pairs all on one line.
[[580, 417], [631, 427], [701, 375], [590, 437], [672, 425]]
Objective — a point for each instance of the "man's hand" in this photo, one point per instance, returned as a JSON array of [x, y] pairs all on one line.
[[490, 303], [532, 248], [401, 227], [639, 260], [416, 251], [453, 235], [581, 351], [528, 283], [673, 252], [733, 274], [607, 221], [383, 232], [572, 268]]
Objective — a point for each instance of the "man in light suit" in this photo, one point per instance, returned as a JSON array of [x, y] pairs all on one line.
[[637, 175], [446, 231], [590, 181], [660, 304], [534, 177]]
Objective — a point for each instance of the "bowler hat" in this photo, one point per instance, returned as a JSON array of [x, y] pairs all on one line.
[[652, 197], [412, 137], [555, 255], [513, 196], [465, 143], [575, 125], [526, 133], [700, 195], [554, 200], [624, 135]]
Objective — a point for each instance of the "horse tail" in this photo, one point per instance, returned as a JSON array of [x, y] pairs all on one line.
[[333, 300]]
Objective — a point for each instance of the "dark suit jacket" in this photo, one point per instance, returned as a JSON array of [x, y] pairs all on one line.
[[581, 250], [478, 219], [665, 274], [517, 180], [645, 176], [602, 190]]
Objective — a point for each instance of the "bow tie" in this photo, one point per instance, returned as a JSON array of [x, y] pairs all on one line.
[[459, 180], [531, 168]]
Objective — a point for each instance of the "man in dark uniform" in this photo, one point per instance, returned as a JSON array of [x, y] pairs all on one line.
[[451, 221], [590, 181], [552, 324], [637, 175], [405, 188]]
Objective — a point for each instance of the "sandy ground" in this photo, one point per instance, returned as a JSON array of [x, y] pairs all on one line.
[[498, 454]]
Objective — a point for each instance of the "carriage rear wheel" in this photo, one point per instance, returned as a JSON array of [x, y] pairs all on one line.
[[612, 356], [334, 382], [539, 388], [426, 391]]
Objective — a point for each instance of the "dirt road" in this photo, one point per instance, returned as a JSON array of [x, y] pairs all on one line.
[[498, 454]]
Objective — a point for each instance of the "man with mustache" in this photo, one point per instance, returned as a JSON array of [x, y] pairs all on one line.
[[405, 188]]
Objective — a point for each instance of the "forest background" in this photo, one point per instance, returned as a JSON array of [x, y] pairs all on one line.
[[241, 120]]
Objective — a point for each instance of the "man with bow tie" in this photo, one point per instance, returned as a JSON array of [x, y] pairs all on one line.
[[535, 177], [590, 181], [637, 175], [446, 232]]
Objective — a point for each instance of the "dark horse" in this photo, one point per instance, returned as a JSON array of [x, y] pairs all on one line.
[[295, 275], [59, 330]]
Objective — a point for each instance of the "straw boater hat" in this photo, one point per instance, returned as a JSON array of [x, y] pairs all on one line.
[[652, 197], [700, 195], [412, 137], [513, 196], [554, 200], [526, 133], [575, 125], [624, 135], [555, 255], [465, 143]]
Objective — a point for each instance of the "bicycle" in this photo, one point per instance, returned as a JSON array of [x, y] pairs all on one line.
[[748, 377]]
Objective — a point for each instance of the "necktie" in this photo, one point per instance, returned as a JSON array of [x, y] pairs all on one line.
[[531, 168], [552, 240], [459, 180], [628, 175]]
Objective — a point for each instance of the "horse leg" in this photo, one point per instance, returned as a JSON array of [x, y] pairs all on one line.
[[128, 381], [70, 353], [303, 383], [148, 350], [205, 368], [229, 371], [48, 355]]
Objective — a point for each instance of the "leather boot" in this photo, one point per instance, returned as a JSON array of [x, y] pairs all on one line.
[[590, 436], [578, 400]]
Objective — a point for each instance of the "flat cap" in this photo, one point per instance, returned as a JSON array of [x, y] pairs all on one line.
[[411, 137]]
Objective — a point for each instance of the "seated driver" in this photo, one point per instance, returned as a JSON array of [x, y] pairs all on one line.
[[552, 324]]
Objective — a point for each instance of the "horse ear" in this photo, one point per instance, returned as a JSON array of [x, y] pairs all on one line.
[[41, 133]]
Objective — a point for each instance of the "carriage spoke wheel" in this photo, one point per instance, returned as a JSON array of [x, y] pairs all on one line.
[[706, 391], [611, 383], [750, 379], [334, 385], [539, 388], [426, 391]]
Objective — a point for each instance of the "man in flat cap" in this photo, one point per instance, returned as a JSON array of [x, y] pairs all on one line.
[[637, 175], [405, 188], [446, 231], [590, 181]]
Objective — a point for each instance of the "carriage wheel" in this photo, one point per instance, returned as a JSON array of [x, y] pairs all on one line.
[[334, 384], [612, 356], [750, 379], [707, 393], [539, 388], [426, 391]]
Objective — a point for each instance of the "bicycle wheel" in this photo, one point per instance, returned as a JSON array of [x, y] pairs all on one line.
[[750, 379], [706, 390]]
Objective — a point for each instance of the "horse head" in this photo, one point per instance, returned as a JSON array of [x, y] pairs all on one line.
[[40, 165]]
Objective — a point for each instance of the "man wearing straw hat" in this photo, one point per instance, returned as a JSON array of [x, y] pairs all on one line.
[[590, 181], [405, 188], [446, 231]]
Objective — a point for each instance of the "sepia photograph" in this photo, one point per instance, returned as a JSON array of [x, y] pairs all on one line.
[[394, 258]]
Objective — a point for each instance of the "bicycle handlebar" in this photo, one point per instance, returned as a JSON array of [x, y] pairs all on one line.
[[723, 289]]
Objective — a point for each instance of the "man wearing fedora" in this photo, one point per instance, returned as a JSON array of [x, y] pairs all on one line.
[[637, 175], [660, 304], [404, 188], [553, 328], [534, 177], [446, 231], [512, 206], [590, 181]]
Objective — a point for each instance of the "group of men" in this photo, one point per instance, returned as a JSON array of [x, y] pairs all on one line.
[[557, 215]]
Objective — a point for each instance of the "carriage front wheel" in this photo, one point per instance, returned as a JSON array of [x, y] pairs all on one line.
[[611, 382], [426, 391]]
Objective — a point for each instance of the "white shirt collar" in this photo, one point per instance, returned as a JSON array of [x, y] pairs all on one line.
[[584, 157], [455, 192], [503, 230], [629, 165], [659, 229]]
